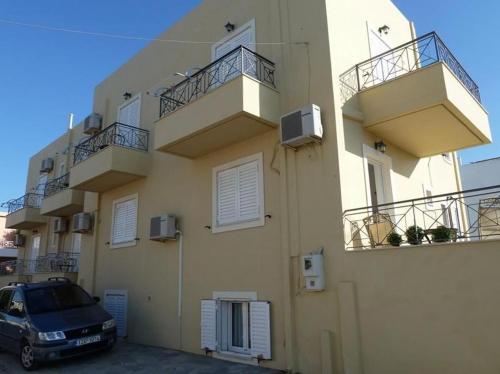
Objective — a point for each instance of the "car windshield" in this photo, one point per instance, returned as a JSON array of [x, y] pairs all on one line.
[[55, 298]]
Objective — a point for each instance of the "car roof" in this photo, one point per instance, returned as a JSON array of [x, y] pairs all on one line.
[[37, 285]]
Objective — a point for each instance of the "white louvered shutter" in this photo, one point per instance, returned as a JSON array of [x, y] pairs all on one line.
[[209, 324], [238, 194], [115, 303], [260, 329], [245, 38], [124, 221], [129, 114]]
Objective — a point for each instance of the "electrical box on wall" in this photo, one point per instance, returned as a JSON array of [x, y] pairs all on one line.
[[313, 271]]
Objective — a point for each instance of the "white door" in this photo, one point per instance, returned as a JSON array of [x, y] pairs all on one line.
[[129, 112], [34, 253], [383, 68], [376, 183], [42, 182], [76, 243]]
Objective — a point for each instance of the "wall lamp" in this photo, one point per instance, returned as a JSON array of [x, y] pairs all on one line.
[[381, 146], [229, 26], [384, 29], [127, 95]]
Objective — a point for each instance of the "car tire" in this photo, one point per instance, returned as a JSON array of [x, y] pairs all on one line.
[[27, 357]]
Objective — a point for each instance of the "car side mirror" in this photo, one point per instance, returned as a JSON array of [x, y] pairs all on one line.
[[97, 299]]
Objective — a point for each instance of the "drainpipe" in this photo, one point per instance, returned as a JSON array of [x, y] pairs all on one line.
[[179, 291]]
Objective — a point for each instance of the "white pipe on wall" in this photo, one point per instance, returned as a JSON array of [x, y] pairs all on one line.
[[179, 291]]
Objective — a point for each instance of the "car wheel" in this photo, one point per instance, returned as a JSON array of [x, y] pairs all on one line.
[[27, 357]]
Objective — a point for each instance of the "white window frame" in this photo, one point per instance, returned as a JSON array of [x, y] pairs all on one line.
[[249, 25], [127, 102], [260, 221], [113, 205]]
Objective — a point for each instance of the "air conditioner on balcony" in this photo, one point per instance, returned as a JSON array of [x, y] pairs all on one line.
[[60, 225], [19, 240], [47, 165], [163, 228], [82, 223], [92, 124], [301, 127]]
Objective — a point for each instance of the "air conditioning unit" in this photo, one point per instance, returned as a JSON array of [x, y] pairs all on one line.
[[92, 124], [19, 240], [60, 225], [301, 127], [163, 228], [82, 223], [47, 165]]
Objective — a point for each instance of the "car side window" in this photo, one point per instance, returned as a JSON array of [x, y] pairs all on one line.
[[4, 300], [17, 304]]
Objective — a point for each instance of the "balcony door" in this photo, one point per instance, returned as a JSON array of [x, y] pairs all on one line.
[[231, 66], [384, 67], [378, 182], [129, 113], [34, 253]]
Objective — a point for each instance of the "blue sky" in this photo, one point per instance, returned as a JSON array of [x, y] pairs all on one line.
[[45, 74]]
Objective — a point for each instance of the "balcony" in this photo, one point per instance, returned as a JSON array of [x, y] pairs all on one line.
[[456, 217], [60, 200], [232, 99], [24, 212], [419, 98], [63, 264], [115, 156]]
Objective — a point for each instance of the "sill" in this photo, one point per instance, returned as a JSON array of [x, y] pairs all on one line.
[[239, 358], [132, 243], [239, 226]]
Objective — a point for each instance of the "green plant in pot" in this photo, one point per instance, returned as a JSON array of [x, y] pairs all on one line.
[[394, 239], [441, 234], [414, 235]]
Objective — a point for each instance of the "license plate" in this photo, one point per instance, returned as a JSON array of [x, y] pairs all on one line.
[[88, 340]]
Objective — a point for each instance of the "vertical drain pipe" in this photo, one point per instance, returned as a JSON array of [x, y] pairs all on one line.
[[179, 291]]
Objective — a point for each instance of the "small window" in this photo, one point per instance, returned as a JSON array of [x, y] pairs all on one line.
[[238, 200], [4, 300], [124, 223]]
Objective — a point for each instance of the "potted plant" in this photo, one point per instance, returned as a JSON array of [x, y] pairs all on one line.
[[441, 234], [395, 239], [414, 235]]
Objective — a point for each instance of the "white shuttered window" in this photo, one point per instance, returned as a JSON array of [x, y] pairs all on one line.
[[238, 194], [124, 226]]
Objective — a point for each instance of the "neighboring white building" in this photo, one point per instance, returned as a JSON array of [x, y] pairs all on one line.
[[7, 249], [480, 174]]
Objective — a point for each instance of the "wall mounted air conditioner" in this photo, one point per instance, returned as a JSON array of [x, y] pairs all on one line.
[[301, 127], [60, 225], [163, 228], [19, 240], [92, 124], [47, 165], [82, 223]]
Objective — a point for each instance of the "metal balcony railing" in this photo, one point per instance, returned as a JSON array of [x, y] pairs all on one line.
[[30, 200], [459, 216], [408, 57], [63, 262], [117, 134], [56, 185], [239, 61]]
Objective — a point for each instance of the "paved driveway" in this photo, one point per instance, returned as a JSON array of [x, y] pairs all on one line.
[[133, 358]]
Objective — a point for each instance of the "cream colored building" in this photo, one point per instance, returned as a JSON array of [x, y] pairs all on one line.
[[193, 130]]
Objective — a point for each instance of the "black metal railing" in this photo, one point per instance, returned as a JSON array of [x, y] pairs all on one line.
[[62, 262], [459, 216], [408, 57], [30, 200], [117, 134], [239, 61], [56, 185]]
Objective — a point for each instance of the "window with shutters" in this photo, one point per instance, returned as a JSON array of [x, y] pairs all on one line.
[[124, 222], [238, 194]]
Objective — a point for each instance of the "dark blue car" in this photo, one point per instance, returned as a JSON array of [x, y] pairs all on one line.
[[52, 320]]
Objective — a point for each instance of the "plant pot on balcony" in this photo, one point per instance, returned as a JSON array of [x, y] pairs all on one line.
[[414, 235], [394, 239], [443, 234]]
